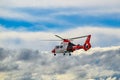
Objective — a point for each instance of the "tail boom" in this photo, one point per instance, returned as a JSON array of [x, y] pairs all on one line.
[[86, 45]]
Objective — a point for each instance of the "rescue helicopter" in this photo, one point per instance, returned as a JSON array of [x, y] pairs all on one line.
[[67, 46]]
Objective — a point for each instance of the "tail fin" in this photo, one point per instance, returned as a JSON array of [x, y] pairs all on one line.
[[87, 44]]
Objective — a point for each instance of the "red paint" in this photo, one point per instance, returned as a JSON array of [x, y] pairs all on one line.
[[77, 47], [53, 51], [87, 44], [66, 40]]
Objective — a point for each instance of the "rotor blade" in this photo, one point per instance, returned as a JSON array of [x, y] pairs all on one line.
[[50, 40], [59, 37], [78, 37]]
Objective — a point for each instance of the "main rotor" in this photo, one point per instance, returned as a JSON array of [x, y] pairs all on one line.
[[71, 38], [66, 39]]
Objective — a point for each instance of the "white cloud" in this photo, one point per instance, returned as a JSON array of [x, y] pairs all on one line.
[[18, 15], [17, 39], [61, 3], [88, 12]]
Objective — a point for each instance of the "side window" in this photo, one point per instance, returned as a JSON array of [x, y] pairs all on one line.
[[61, 46], [57, 47]]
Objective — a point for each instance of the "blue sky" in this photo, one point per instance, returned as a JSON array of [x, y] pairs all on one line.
[[68, 19], [59, 15], [60, 21]]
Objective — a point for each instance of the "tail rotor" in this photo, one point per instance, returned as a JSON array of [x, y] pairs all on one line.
[[87, 44]]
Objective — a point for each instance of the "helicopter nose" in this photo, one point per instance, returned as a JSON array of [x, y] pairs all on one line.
[[53, 51]]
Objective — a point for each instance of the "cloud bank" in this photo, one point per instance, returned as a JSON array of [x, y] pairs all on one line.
[[27, 64], [25, 39]]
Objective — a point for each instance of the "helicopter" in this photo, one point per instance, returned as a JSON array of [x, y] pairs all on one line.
[[67, 46]]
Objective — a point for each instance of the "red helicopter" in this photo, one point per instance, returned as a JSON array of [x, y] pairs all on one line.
[[67, 46]]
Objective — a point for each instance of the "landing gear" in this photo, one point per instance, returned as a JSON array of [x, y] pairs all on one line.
[[54, 54], [65, 53], [69, 54]]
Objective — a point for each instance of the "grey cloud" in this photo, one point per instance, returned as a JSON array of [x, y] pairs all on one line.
[[7, 62], [3, 53], [28, 64], [26, 76], [6, 67], [28, 55]]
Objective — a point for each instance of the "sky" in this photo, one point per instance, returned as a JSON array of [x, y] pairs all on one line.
[[39, 15], [23, 23]]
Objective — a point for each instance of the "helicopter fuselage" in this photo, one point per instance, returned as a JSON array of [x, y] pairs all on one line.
[[67, 46]]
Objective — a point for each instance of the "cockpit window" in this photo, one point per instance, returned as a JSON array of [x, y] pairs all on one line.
[[57, 47]]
